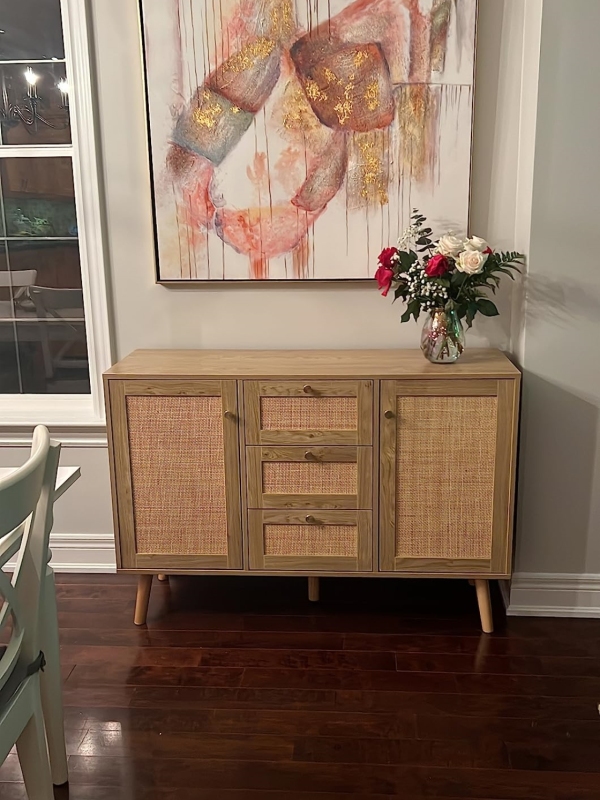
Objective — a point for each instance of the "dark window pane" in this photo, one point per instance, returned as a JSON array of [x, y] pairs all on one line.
[[34, 104], [53, 358], [43, 347], [30, 29], [38, 197], [10, 382], [49, 318], [56, 264], [9, 367]]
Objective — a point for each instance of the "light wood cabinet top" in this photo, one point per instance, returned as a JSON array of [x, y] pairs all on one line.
[[269, 364]]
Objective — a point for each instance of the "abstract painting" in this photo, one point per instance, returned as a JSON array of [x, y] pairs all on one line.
[[291, 139]]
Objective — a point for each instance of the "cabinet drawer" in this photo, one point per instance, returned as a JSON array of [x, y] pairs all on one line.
[[310, 477], [319, 539], [309, 412]]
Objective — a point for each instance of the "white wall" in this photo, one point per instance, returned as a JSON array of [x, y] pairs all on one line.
[[559, 495]]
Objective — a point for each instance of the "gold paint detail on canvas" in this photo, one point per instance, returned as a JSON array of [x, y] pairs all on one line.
[[314, 92], [207, 114], [331, 77], [418, 109], [360, 57], [297, 112], [247, 57], [282, 19], [343, 109], [372, 96], [373, 177]]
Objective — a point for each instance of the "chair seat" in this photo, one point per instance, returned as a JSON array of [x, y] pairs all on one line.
[[20, 673]]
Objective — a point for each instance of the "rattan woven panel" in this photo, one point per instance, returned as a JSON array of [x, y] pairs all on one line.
[[309, 413], [446, 448], [178, 475], [325, 477], [311, 540]]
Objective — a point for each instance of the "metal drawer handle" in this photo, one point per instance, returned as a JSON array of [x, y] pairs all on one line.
[[389, 415], [229, 415], [310, 456], [307, 389], [310, 518]]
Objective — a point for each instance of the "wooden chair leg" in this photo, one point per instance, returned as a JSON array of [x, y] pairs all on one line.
[[162, 577], [313, 590], [33, 757], [51, 685], [142, 599], [482, 587]]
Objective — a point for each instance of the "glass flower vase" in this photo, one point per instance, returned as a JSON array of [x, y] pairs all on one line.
[[443, 337]]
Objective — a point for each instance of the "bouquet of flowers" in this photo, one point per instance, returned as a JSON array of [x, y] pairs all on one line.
[[450, 277]]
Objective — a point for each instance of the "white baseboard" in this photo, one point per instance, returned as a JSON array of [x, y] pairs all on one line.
[[554, 595], [83, 552]]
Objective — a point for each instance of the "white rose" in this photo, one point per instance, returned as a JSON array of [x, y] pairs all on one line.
[[476, 243], [471, 261], [450, 245]]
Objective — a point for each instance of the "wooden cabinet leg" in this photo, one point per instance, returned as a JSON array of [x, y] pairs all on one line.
[[162, 577], [142, 599], [313, 590], [482, 587]]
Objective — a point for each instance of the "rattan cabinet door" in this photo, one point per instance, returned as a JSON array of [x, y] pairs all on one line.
[[308, 412], [309, 477], [323, 540], [176, 474], [447, 476]]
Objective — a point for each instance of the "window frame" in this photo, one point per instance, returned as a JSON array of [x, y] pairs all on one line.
[[75, 409]]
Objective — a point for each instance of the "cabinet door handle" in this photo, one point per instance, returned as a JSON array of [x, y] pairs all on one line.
[[310, 456], [389, 415], [307, 389], [230, 415], [310, 518]]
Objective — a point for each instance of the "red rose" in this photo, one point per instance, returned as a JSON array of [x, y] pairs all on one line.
[[437, 266], [384, 277], [489, 251], [387, 257]]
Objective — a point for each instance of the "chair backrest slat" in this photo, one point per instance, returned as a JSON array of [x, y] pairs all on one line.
[[19, 493]]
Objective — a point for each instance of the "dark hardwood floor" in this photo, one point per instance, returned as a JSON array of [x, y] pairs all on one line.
[[239, 688]]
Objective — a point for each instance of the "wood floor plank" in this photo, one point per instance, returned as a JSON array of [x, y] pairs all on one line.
[[129, 655], [498, 664], [352, 778], [265, 721]]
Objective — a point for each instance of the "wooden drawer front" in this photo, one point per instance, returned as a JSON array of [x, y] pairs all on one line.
[[443, 476], [311, 412], [176, 467], [319, 540], [314, 477]]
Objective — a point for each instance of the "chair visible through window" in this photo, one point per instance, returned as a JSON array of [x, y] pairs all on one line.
[[63, 320]]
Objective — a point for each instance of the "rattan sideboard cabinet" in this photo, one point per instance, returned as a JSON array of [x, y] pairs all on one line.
[[316, 463]]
